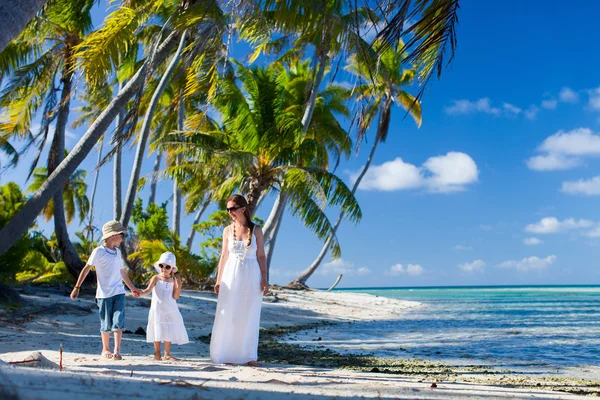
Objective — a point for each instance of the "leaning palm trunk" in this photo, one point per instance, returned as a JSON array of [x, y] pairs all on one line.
[[94, 187], [117, 196], [276, 213], [197, 217], [176, 189], [154, 180], [271, 243], [22, 220], [69, 255], [381, 132], [141, 147], [15, 15]]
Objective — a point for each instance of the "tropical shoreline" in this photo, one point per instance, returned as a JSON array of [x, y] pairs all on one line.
[[288, 371]]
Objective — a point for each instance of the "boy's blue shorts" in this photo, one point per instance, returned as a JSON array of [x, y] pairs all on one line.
[[112, 313]]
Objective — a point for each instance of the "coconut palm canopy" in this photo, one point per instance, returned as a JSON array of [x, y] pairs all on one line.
[[164, 70]]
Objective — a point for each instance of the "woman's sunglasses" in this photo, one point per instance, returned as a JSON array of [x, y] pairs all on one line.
[[164, 266], [230, 209]]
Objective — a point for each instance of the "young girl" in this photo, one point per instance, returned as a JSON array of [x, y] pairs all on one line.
[[164, 319]]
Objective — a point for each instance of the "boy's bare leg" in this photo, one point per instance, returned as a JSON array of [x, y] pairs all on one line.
[[117, 352], [168, 352], [157, 351], [106, 344]]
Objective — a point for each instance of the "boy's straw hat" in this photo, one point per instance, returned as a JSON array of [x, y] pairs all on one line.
[[112, 228], [166, 258]]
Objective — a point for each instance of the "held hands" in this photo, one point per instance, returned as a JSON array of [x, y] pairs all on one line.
[[264, 286], [136, 292]]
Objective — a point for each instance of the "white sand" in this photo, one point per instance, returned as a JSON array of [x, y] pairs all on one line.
[[87, 375]]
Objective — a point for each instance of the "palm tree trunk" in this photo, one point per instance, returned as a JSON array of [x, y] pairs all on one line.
[[117, 186], [381, 131], [15, 15], [23, 219], [176, 189], [314, 90], [270, 247], [94, 187], [197, 217], [141, 147], [154, 180], [275, 214], [69, 255]]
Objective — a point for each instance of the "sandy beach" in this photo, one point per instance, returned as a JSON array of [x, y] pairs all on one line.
[[51, 319]]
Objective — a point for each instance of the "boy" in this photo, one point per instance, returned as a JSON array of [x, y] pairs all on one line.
[[110, 292]]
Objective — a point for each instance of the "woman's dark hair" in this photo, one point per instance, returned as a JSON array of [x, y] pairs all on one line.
[[241, 201]]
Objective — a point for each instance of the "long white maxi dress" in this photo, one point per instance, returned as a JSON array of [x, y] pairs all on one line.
[[234, 337], [165, 323]]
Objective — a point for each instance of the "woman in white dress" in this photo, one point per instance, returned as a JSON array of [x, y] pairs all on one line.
[[241, 283], [165, 323]]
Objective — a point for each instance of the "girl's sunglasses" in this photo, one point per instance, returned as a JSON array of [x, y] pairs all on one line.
[[230, 209], [164, 266]]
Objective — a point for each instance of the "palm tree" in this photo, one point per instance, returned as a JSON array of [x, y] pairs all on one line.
[[47, 54], [16, 14], [262, 143], [74, 195], [327, 26], [383, 89], [101, 52]]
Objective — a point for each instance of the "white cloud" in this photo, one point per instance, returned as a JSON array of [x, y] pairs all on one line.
[[390, 176], [341, 266], [476, 265], [411, 269], [529, 263], [461, 247], [581, 141], [550, 104], [532, 241], [594, 233], [441, 174], [511, 109], [363, 271], [451, 172], [463, 107], [531, 112], [552, 225], [589, 187], [568, 95], [564, 149], [486, 227], [595, 103], [552, 162]]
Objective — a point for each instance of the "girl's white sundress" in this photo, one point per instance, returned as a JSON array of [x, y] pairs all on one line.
[[234, 337], [165, 323]]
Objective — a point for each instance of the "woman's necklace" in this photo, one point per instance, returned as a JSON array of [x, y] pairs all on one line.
[[246, 245], [248, 242]]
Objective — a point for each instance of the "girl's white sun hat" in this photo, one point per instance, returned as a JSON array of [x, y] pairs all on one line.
[[166, 258]]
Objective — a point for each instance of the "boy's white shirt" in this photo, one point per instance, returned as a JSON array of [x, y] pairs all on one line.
[[108, 264]]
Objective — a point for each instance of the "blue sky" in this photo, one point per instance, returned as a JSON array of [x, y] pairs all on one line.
[[500, 184]]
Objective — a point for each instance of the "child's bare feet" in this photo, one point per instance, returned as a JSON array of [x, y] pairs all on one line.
[[169, 357], [117, 356], [157, 357], [253, 364], [107, 354]]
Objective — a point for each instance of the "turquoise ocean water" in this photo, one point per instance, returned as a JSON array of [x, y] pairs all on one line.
[[544, 326]]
